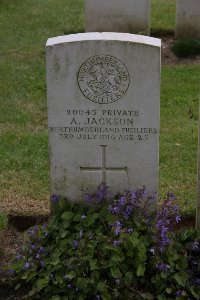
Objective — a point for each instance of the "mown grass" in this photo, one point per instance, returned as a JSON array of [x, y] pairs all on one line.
[[179, 132], [163, 15], [24, 29], [25, 25], [3, 221]]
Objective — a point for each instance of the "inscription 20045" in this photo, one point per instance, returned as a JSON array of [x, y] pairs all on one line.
[[103, 79]]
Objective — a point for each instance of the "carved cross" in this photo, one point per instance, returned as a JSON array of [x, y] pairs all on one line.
[[103, 169]]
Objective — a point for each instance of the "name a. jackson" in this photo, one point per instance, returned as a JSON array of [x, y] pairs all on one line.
[[109, 121]]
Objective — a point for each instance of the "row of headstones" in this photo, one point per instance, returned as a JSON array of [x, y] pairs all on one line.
[[133, 16]]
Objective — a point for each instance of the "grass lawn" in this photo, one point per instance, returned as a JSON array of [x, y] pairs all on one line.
[[24, 28], [3, 221], [163, 14], [179, 130]]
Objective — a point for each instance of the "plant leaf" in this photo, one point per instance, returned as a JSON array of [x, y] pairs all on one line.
[[140, 270], [116, 272], [128, 278]]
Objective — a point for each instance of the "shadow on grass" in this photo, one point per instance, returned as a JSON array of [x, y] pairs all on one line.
[[22, 223], [162, 33], [66, 32]]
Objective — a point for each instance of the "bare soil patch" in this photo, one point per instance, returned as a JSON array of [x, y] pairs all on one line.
[[11, 239]]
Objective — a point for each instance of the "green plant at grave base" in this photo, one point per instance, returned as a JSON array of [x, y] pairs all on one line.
[[3, 221], [109, 248], [186, 47]]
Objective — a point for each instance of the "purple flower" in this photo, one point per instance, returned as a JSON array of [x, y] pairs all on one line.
[[33, 246], [116, 243], [33, 231], [141, 193], [126, 216], [129, 230], [115, 210], [46, 234], [18, 257], [118, 227], [178, 293], [162, 267], [171, 196], [70, 286], [42, 264], [122, 200], [41, 250], [196, 246], [196, 281], [75, 244], [88, 197], [167, 217], [98, 297], [44, 226], [55, 198], [133, 196], [117, 230], [178, 219], [129, 210], [164, 230], [101, 192], [175, 209], [11, 273], [26, 266], [117, 223]]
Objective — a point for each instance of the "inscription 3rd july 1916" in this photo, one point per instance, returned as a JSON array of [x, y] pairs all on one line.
[[103, 79]]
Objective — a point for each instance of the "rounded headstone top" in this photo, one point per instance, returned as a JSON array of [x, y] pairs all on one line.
[[105, 36]]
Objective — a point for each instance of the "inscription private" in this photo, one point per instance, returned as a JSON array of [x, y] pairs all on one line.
[[101, 117], [102, 124], [104, 112]]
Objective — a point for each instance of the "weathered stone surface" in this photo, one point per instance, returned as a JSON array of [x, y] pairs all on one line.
[[103, 112], [188, 18], [131, 16]]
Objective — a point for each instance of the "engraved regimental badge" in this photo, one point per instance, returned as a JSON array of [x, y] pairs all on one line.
[[103, 79]]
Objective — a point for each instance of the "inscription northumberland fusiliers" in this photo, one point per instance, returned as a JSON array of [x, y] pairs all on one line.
[[103, 124], [103, 79]]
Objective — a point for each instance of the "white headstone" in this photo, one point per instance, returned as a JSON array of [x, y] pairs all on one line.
[[103, 112], [188, 18], [131, 16]]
